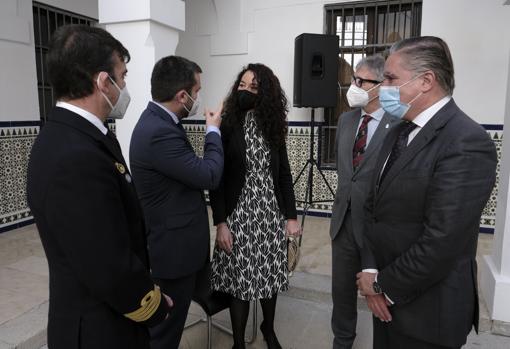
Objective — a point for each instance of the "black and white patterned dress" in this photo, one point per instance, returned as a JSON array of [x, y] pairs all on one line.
[[257, 266]]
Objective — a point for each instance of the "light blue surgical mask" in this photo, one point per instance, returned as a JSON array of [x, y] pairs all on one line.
[[389, 98]]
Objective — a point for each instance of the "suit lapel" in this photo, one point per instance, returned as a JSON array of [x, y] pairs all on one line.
[[377, 138], [425, 136], [113, 149], [71, 119], [384, 153], [347, 143], [156, 109]]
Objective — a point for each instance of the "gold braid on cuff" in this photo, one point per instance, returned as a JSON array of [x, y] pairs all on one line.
[[149, 305]]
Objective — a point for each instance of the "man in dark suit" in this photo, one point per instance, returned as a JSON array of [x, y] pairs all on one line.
[[432, 180], [170, 179], [85, 206], [360, 133]]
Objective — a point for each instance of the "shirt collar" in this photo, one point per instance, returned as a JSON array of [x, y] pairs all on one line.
[[174, 117], [377, 115], [425, 116], [96, 121]]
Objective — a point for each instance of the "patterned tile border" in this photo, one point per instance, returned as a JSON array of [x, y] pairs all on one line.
[[298, 143], [17, 137], [16, 140]]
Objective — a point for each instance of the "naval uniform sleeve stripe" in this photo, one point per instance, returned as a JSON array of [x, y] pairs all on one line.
[[148, 306]]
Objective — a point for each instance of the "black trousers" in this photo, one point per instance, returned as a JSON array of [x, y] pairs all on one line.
[[167, 335], [346, 264], [386, 337]]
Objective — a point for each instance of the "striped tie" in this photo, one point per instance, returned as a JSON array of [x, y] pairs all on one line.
[[360, 142]]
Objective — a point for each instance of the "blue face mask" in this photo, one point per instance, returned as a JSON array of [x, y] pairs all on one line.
[[389, 98]]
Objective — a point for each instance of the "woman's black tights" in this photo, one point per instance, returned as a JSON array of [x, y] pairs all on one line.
[[239, 311]]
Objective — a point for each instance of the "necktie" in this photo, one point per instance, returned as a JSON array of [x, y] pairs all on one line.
[[398, 147], [360, 142]]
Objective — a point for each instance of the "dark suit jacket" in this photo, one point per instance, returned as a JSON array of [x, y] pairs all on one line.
[[423, 226], [353, 185], [92, 230], [170, 179], [224, 199]]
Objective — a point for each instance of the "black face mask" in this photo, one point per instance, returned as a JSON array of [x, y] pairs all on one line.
[[246, 99]]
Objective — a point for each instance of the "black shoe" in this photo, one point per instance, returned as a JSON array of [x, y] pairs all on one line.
[[270, 338]]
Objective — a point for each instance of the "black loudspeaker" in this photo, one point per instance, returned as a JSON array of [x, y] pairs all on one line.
[[315, 70]]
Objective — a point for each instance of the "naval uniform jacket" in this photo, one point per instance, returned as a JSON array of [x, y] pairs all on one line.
[[92, 229]]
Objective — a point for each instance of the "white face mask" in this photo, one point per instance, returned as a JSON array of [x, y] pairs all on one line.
[[196, 104], [119, 109], [358, 97]]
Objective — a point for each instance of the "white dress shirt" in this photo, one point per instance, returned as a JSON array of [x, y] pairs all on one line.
[[425, 116], [94, 120], [421, 120]]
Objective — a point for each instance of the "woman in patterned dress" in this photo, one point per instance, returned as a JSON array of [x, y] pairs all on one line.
[[254, 207]]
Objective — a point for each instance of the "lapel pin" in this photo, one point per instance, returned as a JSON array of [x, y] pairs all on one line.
[[387, 125], [120, 167]]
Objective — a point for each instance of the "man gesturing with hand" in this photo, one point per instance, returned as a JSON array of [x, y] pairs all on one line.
[[170, 179]]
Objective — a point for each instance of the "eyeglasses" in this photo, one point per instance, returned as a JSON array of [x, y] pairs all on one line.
[[359, 81]]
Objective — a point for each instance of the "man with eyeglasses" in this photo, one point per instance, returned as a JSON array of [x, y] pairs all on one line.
[[360, 133]]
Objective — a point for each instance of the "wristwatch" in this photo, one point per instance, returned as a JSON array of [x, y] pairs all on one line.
[[377, 288]]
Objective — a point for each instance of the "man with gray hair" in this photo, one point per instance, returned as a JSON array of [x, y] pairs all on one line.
[[360, 133], [432, 179]]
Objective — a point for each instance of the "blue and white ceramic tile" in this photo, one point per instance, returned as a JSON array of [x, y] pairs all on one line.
[[298, 145], [15, 145]]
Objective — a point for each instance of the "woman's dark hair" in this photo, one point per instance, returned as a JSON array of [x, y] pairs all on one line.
[[172, 74], [76, 54], [270, 109]]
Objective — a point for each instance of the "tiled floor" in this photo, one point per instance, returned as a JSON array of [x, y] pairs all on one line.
[[23, 272], [301, 323]]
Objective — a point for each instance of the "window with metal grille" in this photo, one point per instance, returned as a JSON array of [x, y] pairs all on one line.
[[46, 20], [364, 28]]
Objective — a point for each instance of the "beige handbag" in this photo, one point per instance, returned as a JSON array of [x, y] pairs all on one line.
[[293, 252]]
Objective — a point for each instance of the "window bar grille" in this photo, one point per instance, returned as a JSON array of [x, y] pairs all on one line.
[[380, 25], [54, 18]]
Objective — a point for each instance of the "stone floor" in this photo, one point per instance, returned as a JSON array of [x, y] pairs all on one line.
[[303, 314]]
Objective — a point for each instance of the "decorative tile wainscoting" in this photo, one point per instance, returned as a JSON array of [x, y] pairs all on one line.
[[488, 220], [298, 145], [16, 140]]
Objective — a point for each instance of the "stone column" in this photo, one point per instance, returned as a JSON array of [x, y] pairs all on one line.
[[495, 268], [149, 29]]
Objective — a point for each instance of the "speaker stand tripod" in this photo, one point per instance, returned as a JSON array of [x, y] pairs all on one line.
[[309, 166]]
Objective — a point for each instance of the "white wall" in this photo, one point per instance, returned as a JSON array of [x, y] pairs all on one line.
[[149, 29], [18, 90], [19, 99], [224, 35], [147, 42], [495, 268], [478, 34]]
